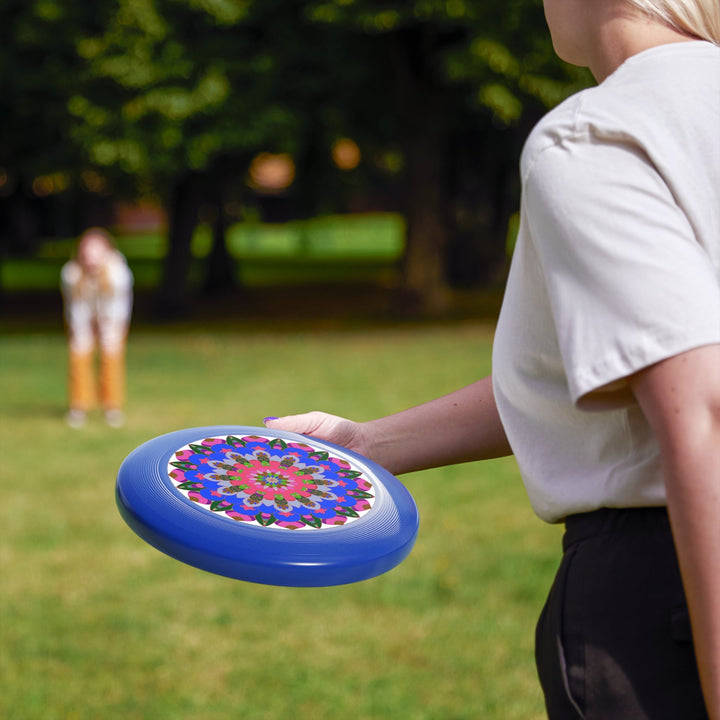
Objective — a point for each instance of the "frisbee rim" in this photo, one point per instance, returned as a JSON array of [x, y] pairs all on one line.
[[332, 555]]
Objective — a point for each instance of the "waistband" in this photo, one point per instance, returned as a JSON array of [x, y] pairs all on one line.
[[607, 521]]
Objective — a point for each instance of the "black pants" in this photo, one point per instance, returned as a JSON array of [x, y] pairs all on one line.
[[613, 641]]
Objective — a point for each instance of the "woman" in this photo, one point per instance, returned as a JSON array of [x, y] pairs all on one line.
[[606, 365], [97, 293], [606, 379]]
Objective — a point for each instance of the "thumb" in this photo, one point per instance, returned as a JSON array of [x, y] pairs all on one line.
[[323, 426], [305, 424]]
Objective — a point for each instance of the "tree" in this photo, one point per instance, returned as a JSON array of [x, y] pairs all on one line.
[[460, 72], [183, 94], [38, 68], [175, 98]]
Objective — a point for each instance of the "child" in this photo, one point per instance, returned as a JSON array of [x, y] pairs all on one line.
[[97, 294]]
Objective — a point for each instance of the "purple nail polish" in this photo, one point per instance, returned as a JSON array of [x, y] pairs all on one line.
[[269, 418]]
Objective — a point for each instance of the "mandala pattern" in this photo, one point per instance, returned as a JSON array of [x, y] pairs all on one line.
[[268, 481]]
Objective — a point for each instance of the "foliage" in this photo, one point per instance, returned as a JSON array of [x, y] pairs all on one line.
[[499, 53], [153, 87], [187, 81], [175, 97], [38, 70]]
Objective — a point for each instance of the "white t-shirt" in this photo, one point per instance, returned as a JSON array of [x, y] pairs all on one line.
[[617, 266], [97, 307]]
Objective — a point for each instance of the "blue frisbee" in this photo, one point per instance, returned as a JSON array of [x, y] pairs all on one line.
[[267, 506]]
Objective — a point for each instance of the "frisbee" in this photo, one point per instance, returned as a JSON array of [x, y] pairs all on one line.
[[267, 506]]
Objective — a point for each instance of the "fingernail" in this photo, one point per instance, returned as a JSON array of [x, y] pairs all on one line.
[[269, 418]]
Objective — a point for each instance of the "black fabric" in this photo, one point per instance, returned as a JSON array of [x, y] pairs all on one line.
[[613, 641]]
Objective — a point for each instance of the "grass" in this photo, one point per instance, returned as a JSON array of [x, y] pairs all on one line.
[[96, 624]]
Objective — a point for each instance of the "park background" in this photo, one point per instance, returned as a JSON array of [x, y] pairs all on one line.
[[318, 200]]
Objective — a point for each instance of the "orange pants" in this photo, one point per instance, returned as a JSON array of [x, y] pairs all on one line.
[[83, 390]]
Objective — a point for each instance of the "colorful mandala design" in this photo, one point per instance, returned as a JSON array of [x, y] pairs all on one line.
[[268, 481]]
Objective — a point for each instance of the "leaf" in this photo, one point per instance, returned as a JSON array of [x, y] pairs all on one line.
[[235, 441], [278, 442], [190, 486], [265, 521], [312, 521], [201, 449], [359, 494], [349, 473], [184, 465], [215, 506], [319, 455]]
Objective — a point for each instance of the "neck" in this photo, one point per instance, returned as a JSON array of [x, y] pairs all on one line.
[[621, 36]]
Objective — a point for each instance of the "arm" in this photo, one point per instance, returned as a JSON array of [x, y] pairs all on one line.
[[115, 302], [459, 427], [681, 400]]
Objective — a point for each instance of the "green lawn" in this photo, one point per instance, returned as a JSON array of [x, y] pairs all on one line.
[[341, 248], [96, 624]]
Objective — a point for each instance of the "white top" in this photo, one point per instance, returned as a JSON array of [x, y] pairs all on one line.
[[97, 308], [617, 266]]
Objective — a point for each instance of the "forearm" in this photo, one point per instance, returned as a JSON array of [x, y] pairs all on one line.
[[460, 427], [681, 400], [693, 496]]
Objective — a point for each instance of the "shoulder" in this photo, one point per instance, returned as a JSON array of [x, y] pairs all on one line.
[[117, 269], [607, 114], [653, 101], [553, 130]]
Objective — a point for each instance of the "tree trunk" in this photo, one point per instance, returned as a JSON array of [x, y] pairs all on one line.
[[485, 194], [424, 144], [175, 295], [220, 267], [424, 276]]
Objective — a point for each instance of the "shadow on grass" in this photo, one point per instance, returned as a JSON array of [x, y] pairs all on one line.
[[287, 308]]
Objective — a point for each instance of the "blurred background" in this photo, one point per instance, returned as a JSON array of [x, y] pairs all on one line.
[[232, 145], [317, 200]]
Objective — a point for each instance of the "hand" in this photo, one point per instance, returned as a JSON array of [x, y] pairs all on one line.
[[460, 427], [334, 429]]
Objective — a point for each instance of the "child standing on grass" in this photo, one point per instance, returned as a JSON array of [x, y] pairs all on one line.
[[606, 366], [97, 293]]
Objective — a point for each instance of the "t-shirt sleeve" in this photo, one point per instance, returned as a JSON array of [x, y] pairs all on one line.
[[629, 282]]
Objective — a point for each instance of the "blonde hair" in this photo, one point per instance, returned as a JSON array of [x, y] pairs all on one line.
[[699, 18]]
